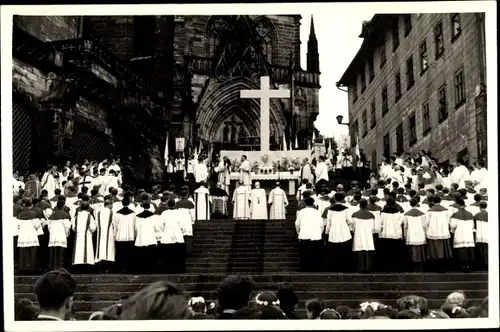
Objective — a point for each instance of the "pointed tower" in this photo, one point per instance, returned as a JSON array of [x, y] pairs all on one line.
[[312, 50]]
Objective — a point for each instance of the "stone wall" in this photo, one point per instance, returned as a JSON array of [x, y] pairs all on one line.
[[50, 28], [458, 131]]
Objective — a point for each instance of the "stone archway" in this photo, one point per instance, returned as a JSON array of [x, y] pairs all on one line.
[[221, 99]]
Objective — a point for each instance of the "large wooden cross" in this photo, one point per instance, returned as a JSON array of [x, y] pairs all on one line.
[[264, 94]]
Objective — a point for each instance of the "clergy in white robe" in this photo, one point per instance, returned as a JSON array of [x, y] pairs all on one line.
[[174, 225], [48, 181], [363, 245], [306, 172], [414, 227], [482, 230], [218, 199], [462, 226], [279, 202], [105, 248], [202, 202], [439, 250], [301, 189], [321, 172], [84, 225], [323, 202], [200, 172], [187, 214], [241, 202], [124, 235], [245, 175], [309, 227], [146, 224], [223, 176], [58, 225], [27, 224], [258, 203], [339, 238], [391, 245], [460, 174]]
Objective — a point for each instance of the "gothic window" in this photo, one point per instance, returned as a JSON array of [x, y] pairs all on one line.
[[225, 133], [265, 32], [217, 25]]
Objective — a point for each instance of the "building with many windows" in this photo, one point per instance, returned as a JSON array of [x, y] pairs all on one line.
[[418, 82]]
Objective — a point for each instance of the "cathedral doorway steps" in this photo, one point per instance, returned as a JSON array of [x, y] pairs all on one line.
[[95, 292]]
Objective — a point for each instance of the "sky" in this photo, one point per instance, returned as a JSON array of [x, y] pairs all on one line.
[[338, 43]]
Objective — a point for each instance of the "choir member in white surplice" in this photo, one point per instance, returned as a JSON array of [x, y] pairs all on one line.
[[338, 230], [460, 174], [219, 198], [28, 223], [474, 207], [241, 202], [48, 181], [279, 202], [301, 189], [482, 230], [174, 225], [105, 248], [187, 211], [323, 200], [306, 172], [439, 250], [200, 172], [258, 203], [414, 226], [363, 245], [58, 225], [245, 175], [84, 225], [202, 202], [124, 235], [481, 179], [321, 173], [462, 226], [309, 227], [223, 176], [391, 245], [55, 198], [146, 224]]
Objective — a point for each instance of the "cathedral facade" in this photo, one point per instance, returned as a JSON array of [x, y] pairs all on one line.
[[98, 84]]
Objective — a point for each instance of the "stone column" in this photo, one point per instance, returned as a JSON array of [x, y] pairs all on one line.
[[481, 123]]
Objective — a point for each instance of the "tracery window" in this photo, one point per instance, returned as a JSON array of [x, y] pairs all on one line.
[[216, 26], [265, 31]]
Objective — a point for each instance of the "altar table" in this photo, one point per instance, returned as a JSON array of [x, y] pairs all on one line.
[[290, 177]]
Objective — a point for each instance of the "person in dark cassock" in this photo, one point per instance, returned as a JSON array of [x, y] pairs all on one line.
[[219, 198]]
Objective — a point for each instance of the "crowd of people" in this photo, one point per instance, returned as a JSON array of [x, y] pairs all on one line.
[[411, 216], [161, 300]]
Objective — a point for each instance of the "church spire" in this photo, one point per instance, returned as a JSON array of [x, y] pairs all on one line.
[[312, 50]]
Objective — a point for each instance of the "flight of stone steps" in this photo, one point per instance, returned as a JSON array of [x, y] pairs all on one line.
[[95, 292]]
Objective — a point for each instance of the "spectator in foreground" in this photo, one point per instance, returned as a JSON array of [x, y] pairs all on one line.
[[314, 308], [234, 294], [288, 301], [54, 292], [25, 310]]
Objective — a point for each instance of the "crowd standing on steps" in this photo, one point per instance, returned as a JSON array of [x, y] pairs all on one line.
[[237, 298]]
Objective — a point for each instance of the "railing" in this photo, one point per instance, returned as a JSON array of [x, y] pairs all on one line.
[[204, 65]]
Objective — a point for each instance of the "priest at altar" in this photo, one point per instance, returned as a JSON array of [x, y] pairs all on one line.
[[241, 201], [306, 172], [223, 174], [202, 202], [258, 203], [219, 198], [279, 202], [245, 169]]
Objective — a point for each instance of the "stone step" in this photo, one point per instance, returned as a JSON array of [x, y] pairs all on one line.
[[309, 286], [274, 278]]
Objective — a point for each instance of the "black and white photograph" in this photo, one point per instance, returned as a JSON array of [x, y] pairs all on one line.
[[250, 162]]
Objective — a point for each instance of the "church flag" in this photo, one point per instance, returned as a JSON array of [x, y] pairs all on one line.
[[296, 142], [314, 137], [165, 155], [284, 143]]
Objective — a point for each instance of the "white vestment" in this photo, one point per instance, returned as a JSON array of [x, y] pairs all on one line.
[[48, 183], [258, 204], [245, 175], [223, 175], [322, 172], [202, 203], [200, 172], [105, 248], [84, 225], [278, 201], [459, 175], [306, 173], [241, 201]]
